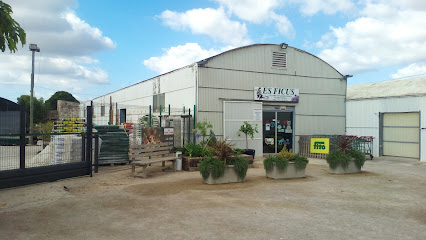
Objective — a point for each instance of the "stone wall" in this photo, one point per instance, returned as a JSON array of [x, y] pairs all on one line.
[[68, 109]]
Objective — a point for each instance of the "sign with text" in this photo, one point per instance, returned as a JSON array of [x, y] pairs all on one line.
[[320, 145], [168, 131], [276, 94]]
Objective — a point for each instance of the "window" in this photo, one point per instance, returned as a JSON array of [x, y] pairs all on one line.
[[279, 59], [158, 100], [102, 110]]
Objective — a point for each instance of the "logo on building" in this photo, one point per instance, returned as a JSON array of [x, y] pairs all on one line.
[[320, 145], [276, 94]]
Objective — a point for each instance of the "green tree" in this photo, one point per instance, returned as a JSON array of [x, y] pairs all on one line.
[[10, 30], [40, 110], [52, 102]]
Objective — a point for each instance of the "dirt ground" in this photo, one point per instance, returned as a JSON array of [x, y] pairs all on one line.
[[386, 201]]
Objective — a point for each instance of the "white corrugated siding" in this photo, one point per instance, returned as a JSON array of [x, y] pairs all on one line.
[[178, 87], [401, 134], [362, 117], [233, 75]]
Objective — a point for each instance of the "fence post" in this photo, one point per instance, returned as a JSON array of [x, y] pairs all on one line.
[[194, 124], [22, 137], [96, 152], [150, 117], [89, 137], [83, 146], [189, 125]]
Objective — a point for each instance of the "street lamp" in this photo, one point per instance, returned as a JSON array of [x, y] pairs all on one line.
[[33, 48]]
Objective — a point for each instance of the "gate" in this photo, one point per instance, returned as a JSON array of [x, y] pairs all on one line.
[[42, 157]]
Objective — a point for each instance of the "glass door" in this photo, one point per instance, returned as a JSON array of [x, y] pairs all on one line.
[[284, 130], [277, 131], [268, 132]]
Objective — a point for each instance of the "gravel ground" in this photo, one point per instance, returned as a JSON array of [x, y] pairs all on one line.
[[386, 201]]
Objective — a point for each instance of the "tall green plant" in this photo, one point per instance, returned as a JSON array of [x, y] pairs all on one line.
[[249, 130], [337, 157], [202, 129], [211, 165]]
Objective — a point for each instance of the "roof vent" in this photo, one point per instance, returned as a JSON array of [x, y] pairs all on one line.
[[279, 59]]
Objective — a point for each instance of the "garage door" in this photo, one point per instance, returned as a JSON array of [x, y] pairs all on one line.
[[401, 134]]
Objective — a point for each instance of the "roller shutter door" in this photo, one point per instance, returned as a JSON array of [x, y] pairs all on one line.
[[401, 136]]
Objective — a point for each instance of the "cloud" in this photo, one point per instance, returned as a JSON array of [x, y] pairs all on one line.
[[413, 70], [259, 12], [212, 22], [384, 35], [67, 44], [180, 56], [312, 7]]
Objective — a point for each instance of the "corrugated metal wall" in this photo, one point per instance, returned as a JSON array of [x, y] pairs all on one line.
[[363, 116], [233, 75], [178, 87]]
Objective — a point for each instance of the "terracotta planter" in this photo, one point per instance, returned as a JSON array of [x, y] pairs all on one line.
[[190, 164], [229, 176], [290, 172], [352, 168]]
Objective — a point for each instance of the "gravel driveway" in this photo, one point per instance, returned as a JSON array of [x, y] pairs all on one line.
[[386, 201]]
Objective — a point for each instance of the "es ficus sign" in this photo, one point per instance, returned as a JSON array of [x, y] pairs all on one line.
[[320, 145], [276, 94]]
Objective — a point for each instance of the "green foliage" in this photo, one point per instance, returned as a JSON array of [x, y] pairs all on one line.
[[10, 30], [194, 150], [211, 165], [279, 161], [44, 128], [337, 157], [286, 154], [249, 130], [40, 111], [52, 102], [300, 161], [238, 151], [222, 149], [240, 164], [358, 157]]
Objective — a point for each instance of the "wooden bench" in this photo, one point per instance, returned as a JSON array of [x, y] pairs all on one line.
[[145, 154]]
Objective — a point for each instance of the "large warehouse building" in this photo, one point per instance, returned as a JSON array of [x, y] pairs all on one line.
[[286, 91], [393, 113]]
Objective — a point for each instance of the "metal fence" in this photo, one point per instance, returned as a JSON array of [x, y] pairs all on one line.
[[27, 158], [363, 144]]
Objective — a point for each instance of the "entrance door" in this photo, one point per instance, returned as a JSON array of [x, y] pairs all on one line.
[[277, 131], [122, 115]]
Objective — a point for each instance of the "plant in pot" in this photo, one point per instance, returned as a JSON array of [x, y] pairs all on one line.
[[285, 164], [248, 130], [192, 154], [223, 166], [344, 159]]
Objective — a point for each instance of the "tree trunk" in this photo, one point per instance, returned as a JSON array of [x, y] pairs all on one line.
[[246, 142]]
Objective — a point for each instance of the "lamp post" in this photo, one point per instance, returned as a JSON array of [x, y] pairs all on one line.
[[33, 48]]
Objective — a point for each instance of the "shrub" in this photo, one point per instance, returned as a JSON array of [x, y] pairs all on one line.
[[240, 164], [300, 161], [358, 157], [337, 157], [279, 161], [222, 150], [286, 154], [211, 165], [194, 150]]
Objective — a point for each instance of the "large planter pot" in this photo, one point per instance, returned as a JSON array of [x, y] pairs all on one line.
[[290, 172], [229, 176], [251, 152], [352, 168], [190, 164]]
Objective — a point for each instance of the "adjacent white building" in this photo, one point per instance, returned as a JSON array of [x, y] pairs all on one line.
[[393, 112], [286, 91]]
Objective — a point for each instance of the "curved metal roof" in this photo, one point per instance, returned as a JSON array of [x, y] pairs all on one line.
[[7, 105], [204, 61]]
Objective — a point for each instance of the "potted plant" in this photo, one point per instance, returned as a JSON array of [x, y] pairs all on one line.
[[249, 130], [192, 154], [223, 166], [345, 159], [285, 164]]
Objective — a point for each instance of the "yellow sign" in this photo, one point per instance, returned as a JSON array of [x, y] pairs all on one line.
[[320, 145]]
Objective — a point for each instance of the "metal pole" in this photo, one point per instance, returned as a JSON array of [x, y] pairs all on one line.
[[96, 153], [189, 125], [149, 123], [169, 115], [194, 123], [22, 137], [89, 138], [31, 97]]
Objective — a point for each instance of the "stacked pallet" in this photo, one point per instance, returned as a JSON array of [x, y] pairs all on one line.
[[115, 144]]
